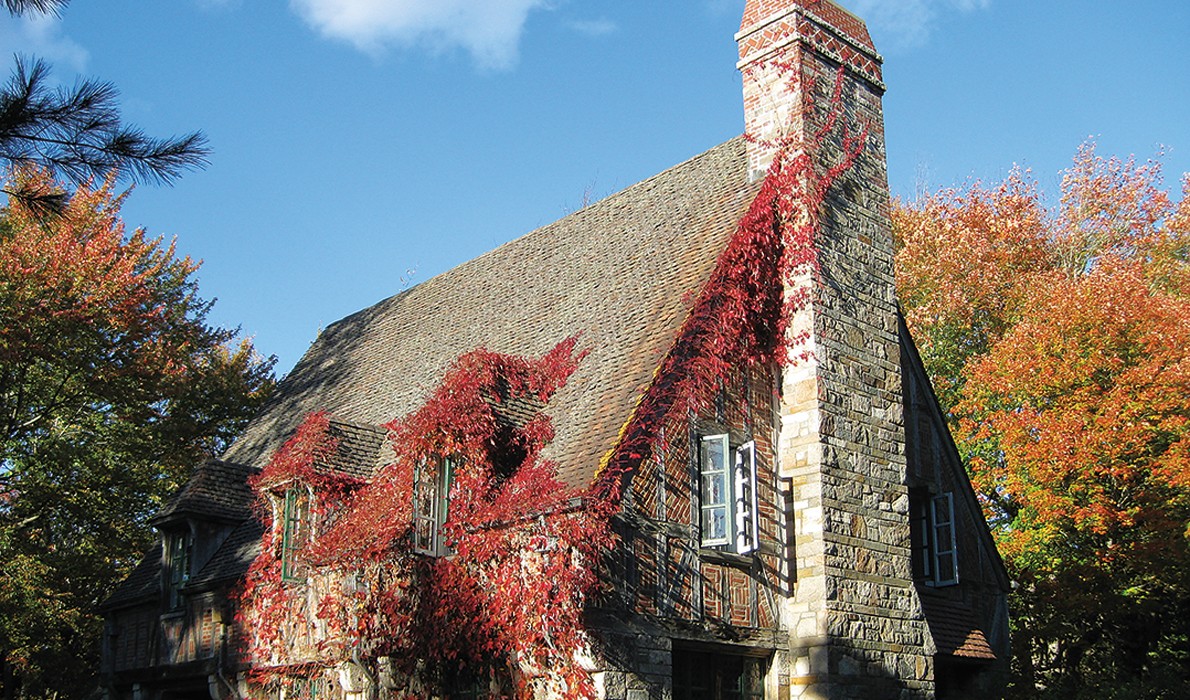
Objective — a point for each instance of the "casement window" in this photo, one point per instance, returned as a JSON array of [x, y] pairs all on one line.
[[727, 490], [934, 540], [295, 532], [464, 686], [431, 503], [711, 676], [178, 546], [942, 531]]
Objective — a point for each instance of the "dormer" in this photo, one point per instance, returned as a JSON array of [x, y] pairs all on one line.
[[307, 482], [196, 522]]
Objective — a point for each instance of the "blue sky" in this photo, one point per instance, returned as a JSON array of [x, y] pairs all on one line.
[[361, 146]]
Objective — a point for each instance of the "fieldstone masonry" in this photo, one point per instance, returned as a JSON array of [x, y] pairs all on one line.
[[856, 624]]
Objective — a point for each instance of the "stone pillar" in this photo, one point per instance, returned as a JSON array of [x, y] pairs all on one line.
[[855, 620]]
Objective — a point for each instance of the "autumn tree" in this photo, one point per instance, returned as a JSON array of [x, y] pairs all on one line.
[[1059, 338], [112, 386]]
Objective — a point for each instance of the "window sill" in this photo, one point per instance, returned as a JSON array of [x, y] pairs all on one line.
[[718, 556], [937, 585]]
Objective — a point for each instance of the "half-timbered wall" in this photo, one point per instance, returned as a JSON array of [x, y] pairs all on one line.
[[669, 574]]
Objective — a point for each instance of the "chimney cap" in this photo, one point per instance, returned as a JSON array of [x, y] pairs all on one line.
[[758, 12]]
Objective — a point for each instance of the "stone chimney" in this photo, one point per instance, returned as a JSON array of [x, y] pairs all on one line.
[[854, 618], [784, 39]]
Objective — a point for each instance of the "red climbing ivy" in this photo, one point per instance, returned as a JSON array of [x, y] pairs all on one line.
[[302, 462], [525, 555], [528, 552], [761, 281]]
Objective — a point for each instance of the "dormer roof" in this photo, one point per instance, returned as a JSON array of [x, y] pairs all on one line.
[[217, 491]]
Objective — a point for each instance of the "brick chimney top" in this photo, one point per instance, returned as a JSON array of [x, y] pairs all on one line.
[[784, 42], [761, 11]]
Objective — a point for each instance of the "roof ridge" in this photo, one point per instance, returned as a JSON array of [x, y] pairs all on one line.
[[498, 250]]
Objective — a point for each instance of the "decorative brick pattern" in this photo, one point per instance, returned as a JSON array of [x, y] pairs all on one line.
[[792, 32]]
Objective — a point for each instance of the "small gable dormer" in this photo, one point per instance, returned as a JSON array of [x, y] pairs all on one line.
[[195, 524], [305, 486]]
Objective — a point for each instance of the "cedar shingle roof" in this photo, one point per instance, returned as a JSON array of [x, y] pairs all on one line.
[[217, 490], [620, 271], [234, 556], [358, 452]]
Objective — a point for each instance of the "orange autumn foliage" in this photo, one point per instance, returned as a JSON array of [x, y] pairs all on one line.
[[1059, 340], [1078, 417]]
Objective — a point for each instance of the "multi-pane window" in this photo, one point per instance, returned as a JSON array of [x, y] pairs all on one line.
[[178, 544], [431, 503], [464, 686], [934, 540], [727, 491], [314, 688], [708, 676], [946, 567], [295, 532]]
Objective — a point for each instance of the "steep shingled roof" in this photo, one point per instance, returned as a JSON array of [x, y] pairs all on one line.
[[217, 490], [359, 451], [232, 558], [620, 272]]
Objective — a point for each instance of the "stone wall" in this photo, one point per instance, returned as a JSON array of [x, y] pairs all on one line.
[[856, 625]]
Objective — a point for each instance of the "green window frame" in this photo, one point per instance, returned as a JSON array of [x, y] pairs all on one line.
[[295, 533], [179, 544], [431, 504]]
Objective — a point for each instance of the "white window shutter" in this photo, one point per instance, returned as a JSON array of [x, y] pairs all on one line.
[[746, 516]]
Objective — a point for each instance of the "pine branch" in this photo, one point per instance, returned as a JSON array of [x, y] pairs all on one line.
[[78, 132], [44, 7]]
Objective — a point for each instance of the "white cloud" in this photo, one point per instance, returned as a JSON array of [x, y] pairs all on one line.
[[907, 23], [488, 29], [211, 5], [723, 7], [593, 27], [40, 36]]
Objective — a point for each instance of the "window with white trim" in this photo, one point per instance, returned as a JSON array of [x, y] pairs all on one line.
[[431, 504], [934, 538], [727, 491]]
